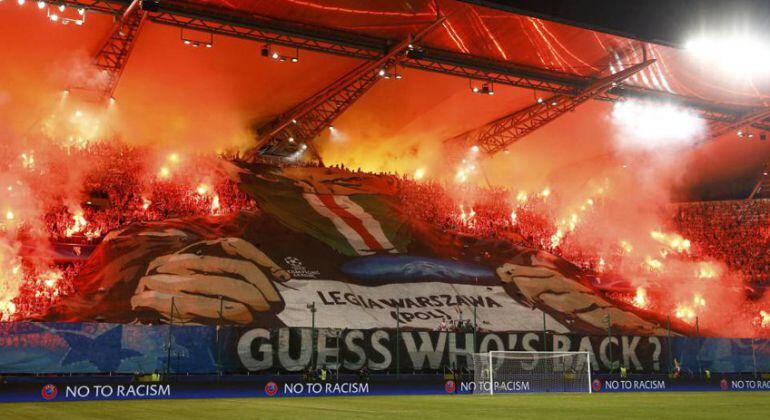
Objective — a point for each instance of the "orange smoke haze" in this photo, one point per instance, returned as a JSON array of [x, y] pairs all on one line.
[[177, 98]]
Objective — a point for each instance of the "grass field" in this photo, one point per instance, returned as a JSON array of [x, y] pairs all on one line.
[[706, 405]]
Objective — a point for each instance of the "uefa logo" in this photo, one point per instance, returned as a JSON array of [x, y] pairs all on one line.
[[271, 388], [49, 392], [596, 385], [450, 387]]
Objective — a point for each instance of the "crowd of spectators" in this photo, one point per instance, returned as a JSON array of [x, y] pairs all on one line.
[[123, 185], [735, 232]]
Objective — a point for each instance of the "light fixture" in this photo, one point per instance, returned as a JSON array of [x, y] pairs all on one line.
[[62, 8], [40, 4], [291, 139], [196, 39], [540, 100], [293, 121], [21, 2], [485, 88], [735, 54]]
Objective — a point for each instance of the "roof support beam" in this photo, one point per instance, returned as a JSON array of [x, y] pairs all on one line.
[[721, 128], [301, 124], [497, 135], [359, 46], [113, 55]]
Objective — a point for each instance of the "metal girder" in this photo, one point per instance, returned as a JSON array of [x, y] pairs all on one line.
[[356, 45], [248, 32], [720, 128], [762, 187], [115, 51], [301, 124], [495, 136]]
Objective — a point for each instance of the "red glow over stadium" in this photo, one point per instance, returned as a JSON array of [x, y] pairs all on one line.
[[243, 163]]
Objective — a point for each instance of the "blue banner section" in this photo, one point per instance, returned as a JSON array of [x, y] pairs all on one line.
[[95, 348], [63, 348], [721, 354]]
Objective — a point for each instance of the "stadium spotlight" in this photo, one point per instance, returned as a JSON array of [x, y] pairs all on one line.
[[198, 41], [540, 100], [291, 139], [54, 17], [62, 8], [268, 51], [740, 133], [293, 121], [40, 5], [485, 88], [21, 2], [736, 54], [475, 148]]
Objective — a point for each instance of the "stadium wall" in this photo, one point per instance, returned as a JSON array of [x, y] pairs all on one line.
[[67, 348]]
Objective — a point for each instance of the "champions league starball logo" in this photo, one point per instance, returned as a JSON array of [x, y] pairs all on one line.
[[271, 388], [298, 270], [596, 385], [724, 385], [49, 392], [450, 387]]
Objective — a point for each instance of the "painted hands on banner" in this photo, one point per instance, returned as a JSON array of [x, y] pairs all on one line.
[[238, 284]]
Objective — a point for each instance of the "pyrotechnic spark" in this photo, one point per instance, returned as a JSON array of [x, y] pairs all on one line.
[[675, 241], [706, 271], [513, 217], [173, 158], [466, 217], [640, 300], [764, 320], [653, 264], [164, 172], [556, 238], [215, 205], [684, 312], [626, 246], [419, 174], [28, 160], [9, 215], [145, 203], [698, 300], [202, 189], [79, 224], [545, 193], [521, 197]]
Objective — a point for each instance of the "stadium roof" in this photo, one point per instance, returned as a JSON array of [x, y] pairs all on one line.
[[485, 35]]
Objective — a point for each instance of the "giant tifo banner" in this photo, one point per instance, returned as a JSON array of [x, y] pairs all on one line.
[[340, 241], [92, 348]]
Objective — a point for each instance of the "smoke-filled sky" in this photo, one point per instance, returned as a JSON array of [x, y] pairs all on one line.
[[209, 99]]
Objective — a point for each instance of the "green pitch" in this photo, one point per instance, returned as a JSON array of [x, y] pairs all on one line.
[[680, 406]]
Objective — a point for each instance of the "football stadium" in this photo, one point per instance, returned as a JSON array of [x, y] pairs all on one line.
[[384, 209]]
